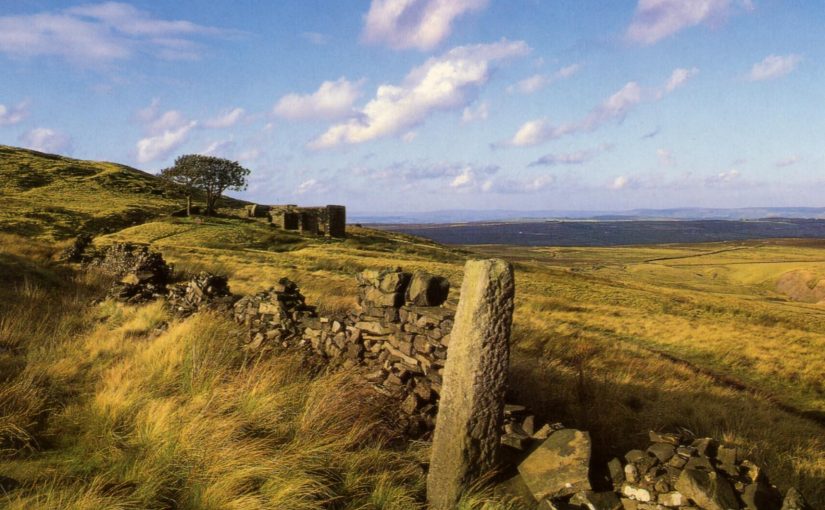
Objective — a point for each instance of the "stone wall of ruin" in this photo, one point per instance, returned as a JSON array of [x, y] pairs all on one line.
[[328, 220]]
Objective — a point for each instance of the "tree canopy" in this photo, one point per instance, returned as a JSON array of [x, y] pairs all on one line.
[[208, 174]]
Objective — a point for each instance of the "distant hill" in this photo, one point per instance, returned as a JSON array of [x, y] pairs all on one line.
[[686, 213], [54, 197]]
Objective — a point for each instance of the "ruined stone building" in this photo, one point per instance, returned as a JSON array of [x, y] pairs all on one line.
[[328, 220]]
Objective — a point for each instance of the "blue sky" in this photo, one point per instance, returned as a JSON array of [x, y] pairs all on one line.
[[415, 105]]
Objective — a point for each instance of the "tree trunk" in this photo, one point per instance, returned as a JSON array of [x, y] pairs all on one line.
[[188, 205]]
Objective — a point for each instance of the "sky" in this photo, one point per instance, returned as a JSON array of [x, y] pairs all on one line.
[[420, 105]]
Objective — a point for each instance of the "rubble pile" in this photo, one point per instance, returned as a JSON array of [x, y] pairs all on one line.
[[274, 317], [677, 471], [205, 290], [143, 274]]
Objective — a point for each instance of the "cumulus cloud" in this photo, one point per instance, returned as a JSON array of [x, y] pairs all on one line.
[[227, 119], [420, 24], [46, 140], [332, 100], [104, 32], [165, 132], [571, 158], [539, 81], [655, 20], [613, 109], [312, 186], [475, 114], [441, 83], [774, 66], [10, 115], [160, 146]]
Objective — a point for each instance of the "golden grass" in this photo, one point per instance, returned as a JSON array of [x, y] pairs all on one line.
[[605, 339]]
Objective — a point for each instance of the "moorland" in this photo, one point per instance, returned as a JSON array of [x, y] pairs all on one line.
[[106, 405]]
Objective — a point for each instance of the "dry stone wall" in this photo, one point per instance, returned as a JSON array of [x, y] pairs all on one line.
[[397, 340]]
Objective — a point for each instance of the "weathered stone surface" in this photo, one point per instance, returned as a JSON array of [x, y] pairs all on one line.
[[761, 496], [596, 500], [662, 451], [794, 501], [672, 499], [636, 493], [466, 439], [707, 489], [559, 466], [426, 289]]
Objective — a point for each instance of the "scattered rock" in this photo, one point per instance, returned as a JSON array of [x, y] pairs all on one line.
[[427, 290]]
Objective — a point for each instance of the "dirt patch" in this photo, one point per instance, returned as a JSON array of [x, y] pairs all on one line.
[[802, 285]]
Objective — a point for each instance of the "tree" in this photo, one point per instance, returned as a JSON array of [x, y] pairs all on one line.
[[207, 174]]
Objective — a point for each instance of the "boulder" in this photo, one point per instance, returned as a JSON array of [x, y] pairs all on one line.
[[707, 489], [559, 466]]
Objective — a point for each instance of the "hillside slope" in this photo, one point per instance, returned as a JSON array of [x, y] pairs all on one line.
[[54, 197]]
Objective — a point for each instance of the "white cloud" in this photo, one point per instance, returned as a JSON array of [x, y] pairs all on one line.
[[442, 83], [774, 66], [332, 100], [620, 182], [409, 136], [226, 119], [789, 161], [479, 113], [725, 177], [678, 78], [46, 140], [529, 185], [10, 115], [220, 148], [311, 186], [613, 109], [655, 20], [167, 121], [104, 32], [159, 146], [539, 81], [420, 24], [571, 158]]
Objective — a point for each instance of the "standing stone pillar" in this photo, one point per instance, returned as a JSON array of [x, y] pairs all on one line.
[[466, 440]]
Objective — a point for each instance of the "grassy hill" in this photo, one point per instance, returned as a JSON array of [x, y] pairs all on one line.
[[54, 197], [100, 410]]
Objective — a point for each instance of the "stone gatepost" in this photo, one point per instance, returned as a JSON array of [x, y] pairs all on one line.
[[466, 440]]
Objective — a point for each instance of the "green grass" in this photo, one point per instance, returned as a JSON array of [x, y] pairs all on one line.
[[55, 197]]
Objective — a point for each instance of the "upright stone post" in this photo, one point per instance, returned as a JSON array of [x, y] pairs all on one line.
[[466, 439]]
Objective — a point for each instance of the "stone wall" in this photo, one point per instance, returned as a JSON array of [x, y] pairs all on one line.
[[397, 340], [328, 220]]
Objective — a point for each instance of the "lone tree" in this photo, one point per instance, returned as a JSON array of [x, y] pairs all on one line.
[[207, 174]]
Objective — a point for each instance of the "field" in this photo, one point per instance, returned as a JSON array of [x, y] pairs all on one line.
[[100, 409]]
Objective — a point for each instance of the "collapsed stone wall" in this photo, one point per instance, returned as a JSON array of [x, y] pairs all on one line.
[[397, 340]]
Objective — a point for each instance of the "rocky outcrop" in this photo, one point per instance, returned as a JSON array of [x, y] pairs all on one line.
[[141, 274]]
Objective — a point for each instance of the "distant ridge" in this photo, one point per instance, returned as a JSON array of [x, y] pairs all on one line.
[[686, 213]]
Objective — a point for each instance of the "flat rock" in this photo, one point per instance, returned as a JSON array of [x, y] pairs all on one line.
[[662, 451], [559, 466], [707, 489]]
